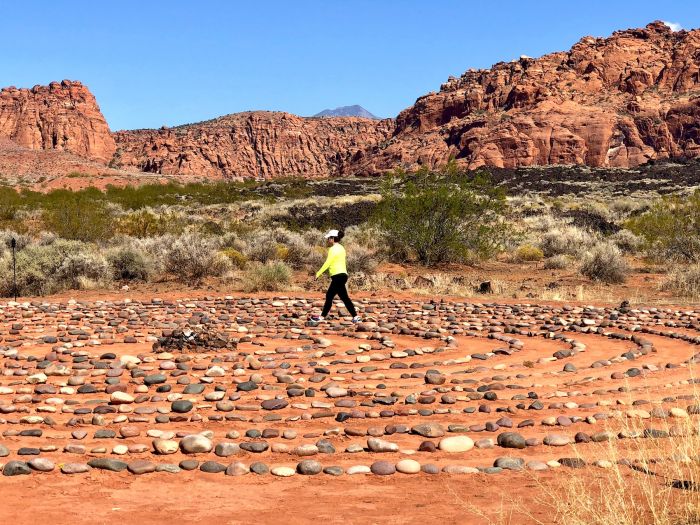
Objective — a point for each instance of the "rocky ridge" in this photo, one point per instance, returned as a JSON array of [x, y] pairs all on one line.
[[617, 101], [257, 144]]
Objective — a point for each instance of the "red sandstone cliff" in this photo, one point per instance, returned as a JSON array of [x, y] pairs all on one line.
[[254, 144], [616, 101], [61, 116]]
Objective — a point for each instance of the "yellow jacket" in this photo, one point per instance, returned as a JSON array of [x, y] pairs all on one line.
[[335, 262]]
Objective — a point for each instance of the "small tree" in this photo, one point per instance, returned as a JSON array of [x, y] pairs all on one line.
[[445, 216]]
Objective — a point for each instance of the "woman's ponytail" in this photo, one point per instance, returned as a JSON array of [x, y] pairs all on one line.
[[340, 236]]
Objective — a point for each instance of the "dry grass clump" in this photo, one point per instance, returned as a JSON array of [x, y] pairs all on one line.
[[683, 281], [605, 262], [638, 480]]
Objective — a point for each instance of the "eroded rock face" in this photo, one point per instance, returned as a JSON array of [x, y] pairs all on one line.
[[61, 116], [607, 102], [258, 144], [617, 101]]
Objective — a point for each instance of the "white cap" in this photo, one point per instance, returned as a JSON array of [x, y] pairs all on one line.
[[331, 233]]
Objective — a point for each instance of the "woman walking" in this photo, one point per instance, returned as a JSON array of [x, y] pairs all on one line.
[[335, 264]]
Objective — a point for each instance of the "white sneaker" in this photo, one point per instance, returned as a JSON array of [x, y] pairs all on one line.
[[317, 318], [356, 319]]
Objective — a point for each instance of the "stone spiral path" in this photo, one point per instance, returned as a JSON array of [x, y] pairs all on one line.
[[419, 388]]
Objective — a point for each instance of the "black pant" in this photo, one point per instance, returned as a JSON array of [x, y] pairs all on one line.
[[337, 287]]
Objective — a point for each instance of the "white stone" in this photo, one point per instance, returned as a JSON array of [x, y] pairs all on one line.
[[456, 444]]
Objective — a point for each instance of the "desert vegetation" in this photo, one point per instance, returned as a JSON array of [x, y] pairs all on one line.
[[447, 230]]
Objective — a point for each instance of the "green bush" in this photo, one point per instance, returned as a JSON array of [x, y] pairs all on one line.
[[604, 262], [146, 223], [442, 217], [670, 228], [80, 216], [270, 277]]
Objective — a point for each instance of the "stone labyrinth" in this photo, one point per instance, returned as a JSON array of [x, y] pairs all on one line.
[[417, 388]]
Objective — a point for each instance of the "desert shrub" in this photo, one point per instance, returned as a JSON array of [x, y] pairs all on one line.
[[363, 235], [557, 262], [683, 281], [211, 228], [146, 223], [127, 263], [154, 249], [82, 270], [281, 252], [48, 269], [528, 253], [670, 228], [297, 253], [271, 276], [79, 216], [627, 241], [192, 257], [260, 247], [626, 206], [442, 217], [232, 240], [313, 237], [317, 256], [6, 237], [567, 240], [45, 238], [605, 262], [360, 259], [237, 258]]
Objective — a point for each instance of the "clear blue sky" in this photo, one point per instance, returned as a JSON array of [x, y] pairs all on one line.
[[153, 62]]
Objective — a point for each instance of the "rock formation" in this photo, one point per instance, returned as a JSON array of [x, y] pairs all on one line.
[[617, 101], [61, 116], [608, 102], [258, 144]]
